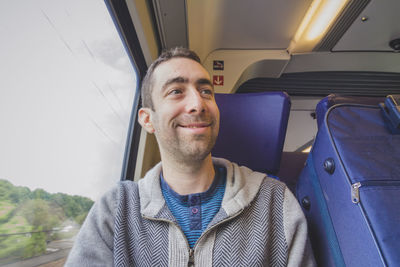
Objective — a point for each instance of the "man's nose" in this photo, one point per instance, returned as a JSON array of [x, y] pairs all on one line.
[[195, 103]]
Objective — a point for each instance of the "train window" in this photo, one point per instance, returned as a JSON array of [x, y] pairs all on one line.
[[66, 92]]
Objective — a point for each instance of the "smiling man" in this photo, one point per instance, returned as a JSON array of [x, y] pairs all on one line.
[[191, 209], [184, 117]]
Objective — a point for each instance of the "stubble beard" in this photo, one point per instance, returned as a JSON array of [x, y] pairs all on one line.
[[191, 150], [186, 149]]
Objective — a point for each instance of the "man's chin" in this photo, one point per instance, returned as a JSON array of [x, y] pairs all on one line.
[[195, 154]]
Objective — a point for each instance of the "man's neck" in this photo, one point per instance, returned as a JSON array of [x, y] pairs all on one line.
[[186, 178]]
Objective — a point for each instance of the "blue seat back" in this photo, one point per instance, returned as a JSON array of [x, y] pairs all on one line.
[[252, 129]]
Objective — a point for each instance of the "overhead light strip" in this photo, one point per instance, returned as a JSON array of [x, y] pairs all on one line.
[[319, 17], [325, 17], [307, 19]]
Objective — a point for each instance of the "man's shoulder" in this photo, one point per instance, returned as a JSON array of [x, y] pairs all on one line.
[[128, 189], [248, 175], [269, 188], [273, 189], [274, 182], [128, 185]]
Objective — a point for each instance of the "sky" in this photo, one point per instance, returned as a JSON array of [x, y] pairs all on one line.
[[66, 93]]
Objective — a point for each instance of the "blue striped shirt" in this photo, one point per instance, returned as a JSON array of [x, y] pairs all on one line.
[[195, 211]]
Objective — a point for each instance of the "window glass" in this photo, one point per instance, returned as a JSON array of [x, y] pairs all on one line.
[[66, 93]]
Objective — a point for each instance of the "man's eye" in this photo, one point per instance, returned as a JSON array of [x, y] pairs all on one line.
[[207, 91], [175, 92]]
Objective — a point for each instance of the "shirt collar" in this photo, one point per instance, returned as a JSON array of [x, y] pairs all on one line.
[[204, 196]]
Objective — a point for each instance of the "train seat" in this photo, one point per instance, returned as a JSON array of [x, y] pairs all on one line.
[[252, 129]]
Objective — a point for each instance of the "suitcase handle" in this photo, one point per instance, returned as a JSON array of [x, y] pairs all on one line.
[[391, 112]]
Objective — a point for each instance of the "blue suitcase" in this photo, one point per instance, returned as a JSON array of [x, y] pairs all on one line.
[[350, 189]]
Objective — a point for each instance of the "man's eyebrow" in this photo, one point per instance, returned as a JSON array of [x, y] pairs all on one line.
[[178, 79], [204, 81]]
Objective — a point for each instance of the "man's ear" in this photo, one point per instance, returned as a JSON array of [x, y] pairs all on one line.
[[144, 119]]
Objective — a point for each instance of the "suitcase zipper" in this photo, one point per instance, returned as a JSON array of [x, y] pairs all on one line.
[[355, 188], [355, 192]]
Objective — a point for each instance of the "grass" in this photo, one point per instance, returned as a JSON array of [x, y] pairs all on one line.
[[6, 211], [17, 224], [13, 246], [6, 207]]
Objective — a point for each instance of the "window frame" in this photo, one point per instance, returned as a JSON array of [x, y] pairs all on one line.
[[123, 22]]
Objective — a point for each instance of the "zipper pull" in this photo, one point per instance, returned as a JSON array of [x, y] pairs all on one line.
[[191, 257], [355, 193]]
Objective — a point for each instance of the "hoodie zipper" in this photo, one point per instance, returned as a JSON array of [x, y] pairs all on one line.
[[355, 188], [192, 250], [191, 257]]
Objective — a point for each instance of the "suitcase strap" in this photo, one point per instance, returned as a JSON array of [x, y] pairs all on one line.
[[326, 218], [391, 112]]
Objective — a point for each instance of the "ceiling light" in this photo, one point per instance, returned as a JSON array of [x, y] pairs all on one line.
[[319, 17], [325, 17]]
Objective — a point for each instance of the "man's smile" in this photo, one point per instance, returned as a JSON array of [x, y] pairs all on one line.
[[196, 128], [195, 125]]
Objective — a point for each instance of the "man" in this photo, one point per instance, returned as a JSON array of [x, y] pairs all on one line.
[[191, 209]]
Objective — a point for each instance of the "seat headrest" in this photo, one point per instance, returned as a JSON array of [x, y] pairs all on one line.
[[252, 129]]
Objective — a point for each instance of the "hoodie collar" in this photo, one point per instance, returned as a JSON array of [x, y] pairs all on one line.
[[242, 185]]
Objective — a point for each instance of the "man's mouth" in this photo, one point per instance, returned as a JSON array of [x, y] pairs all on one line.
[[195, 125]]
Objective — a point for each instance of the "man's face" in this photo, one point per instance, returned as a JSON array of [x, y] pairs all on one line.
[[185, 117]]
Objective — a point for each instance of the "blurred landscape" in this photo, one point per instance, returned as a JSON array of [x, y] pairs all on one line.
[[31, 222]]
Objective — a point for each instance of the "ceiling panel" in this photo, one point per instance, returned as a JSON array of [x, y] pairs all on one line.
[[374, 34], [238, 24]]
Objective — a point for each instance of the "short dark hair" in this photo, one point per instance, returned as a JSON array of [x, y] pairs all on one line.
[[176, 52]]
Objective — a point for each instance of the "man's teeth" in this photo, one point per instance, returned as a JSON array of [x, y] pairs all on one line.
[[194, 126]]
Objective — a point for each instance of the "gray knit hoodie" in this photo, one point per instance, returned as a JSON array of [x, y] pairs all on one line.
[[259, 224]]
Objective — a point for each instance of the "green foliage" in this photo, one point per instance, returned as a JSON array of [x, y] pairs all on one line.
[[72, 205], [13, 246], [81, 218], [7, 211], [36, 244], [40, 194], [20, 194], [5, 187], [16, 224], [39, 214], [25, 211], [14, 194]]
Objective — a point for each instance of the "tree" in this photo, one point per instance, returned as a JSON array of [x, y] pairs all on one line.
[[39, 214], [15, 194], [19, 194], [36, 245], [40, 194], [5, 188], [81, 218]]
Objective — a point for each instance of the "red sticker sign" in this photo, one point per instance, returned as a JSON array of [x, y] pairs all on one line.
[[218, 80]]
